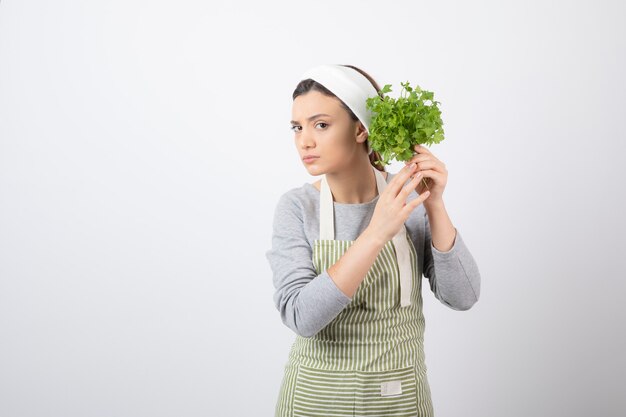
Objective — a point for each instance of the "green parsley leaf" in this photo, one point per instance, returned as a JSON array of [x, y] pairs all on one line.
[[397, 125]]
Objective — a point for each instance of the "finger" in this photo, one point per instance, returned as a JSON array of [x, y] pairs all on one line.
[[422, 149], [410, 187], [415, 202], [418, 157], [399, 179], [424, 185], [430, 164], [431, 173]]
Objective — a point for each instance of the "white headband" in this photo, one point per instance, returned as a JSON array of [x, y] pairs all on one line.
[[350, 86]]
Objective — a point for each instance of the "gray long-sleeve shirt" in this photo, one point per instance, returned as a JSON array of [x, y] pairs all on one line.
[[307, 302]]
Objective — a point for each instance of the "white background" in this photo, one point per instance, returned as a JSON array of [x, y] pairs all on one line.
[[144, 145]]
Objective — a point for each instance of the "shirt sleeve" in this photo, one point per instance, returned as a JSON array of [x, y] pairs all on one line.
[[453, 275], [307, 301]]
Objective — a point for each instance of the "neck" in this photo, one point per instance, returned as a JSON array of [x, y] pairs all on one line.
[[355, 185]]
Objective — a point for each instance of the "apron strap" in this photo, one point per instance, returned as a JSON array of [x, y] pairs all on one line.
[[400, 242], [327, 217]]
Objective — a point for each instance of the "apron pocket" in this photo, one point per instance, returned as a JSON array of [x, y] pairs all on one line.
[[386, 393], [320, 392]]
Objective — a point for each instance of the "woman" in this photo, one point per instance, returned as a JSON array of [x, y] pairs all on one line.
[[348, 263]]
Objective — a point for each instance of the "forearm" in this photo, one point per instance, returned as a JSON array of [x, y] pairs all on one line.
[[442, 229], [350, 270]]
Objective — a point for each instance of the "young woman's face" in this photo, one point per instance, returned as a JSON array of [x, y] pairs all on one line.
[[324, 129]]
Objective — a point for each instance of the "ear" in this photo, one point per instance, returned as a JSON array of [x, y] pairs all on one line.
[[361, 132]]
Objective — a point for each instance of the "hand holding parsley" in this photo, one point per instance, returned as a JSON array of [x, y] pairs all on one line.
[[434, 175], [398, 125]]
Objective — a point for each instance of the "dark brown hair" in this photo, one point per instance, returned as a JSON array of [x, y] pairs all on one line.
[[307, 85]]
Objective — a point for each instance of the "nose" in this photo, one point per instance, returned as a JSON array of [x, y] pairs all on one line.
[[305, 139]]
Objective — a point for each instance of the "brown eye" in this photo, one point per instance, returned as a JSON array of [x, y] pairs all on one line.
[[322, 123]]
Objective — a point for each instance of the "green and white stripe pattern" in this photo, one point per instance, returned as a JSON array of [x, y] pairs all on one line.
[[368, 361]]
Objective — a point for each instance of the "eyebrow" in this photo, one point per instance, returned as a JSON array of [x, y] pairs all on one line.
[[293, 122]]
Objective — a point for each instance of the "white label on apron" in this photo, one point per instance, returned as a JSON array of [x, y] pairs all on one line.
[[391, 388]]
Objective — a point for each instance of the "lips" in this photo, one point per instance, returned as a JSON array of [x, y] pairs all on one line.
[[309, 157]]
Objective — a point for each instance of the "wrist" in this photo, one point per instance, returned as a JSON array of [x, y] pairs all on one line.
[[373, 238], [431, 205]]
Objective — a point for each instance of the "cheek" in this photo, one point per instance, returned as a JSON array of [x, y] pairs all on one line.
[[335, 141], [343, 140]]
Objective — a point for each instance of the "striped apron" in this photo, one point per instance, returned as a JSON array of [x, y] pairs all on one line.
[[369, 360]]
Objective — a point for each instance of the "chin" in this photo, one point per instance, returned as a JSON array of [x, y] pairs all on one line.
[[313, 170]]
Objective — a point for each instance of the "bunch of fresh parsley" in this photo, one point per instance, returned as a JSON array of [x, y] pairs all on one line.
[[397, 125]]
